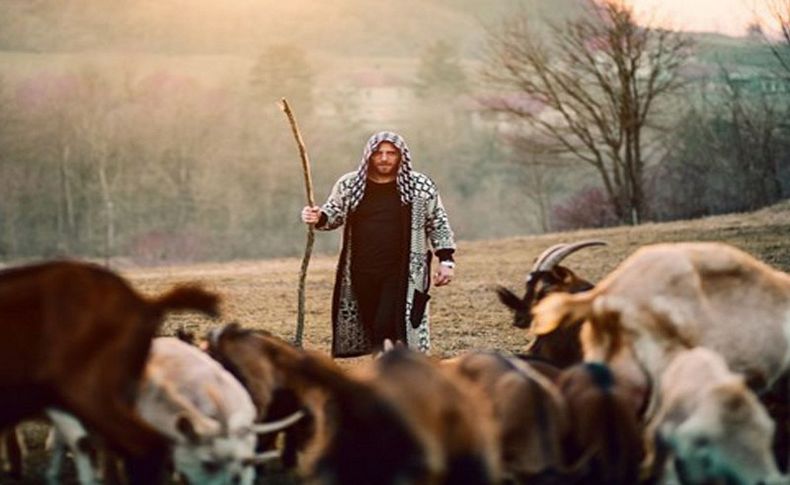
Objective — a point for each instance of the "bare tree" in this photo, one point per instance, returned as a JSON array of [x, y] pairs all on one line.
[[590, 91], [780, 13]]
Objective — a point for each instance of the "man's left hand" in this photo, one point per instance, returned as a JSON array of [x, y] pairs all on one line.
[[443, 276]]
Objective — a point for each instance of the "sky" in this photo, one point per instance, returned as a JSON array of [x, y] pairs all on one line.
[[725, 16]]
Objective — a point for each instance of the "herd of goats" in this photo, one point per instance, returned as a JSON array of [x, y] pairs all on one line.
[[672, 369]]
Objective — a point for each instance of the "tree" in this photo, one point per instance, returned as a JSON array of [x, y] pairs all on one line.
[[728, 153], [439, 73], [283, 70], [591, 92], [780, 11]]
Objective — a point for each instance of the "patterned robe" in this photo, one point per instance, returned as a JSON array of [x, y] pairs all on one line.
[[428, 225]]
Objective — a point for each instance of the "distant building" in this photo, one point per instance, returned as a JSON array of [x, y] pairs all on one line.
[[381, 98]]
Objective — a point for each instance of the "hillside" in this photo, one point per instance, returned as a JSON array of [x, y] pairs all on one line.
[[350, 27], [466, 314], [262, 294]]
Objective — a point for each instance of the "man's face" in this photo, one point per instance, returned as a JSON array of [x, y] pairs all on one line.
[[385, 160]]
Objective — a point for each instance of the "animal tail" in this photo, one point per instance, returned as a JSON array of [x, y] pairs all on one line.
[[188, 297]]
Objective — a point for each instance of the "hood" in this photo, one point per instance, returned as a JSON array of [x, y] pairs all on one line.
[[404, 178]]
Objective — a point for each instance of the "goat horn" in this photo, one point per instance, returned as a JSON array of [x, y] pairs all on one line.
[[554, 258], [274, 426], [262, 458], [214, 335], [545, 254]]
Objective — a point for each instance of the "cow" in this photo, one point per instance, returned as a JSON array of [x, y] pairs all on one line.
[[76, 337]]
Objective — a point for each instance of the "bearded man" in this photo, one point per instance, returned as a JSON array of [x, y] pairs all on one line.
[[392, 217]]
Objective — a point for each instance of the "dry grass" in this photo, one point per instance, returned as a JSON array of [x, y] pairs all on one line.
[[466, 314]]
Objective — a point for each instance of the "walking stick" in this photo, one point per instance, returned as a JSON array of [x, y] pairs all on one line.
[[308, 182]]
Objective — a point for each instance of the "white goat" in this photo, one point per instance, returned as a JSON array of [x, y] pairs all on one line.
[[198, 405], [669, 297], [711, 425]]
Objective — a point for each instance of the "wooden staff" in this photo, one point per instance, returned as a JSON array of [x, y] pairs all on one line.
[[308, 182]]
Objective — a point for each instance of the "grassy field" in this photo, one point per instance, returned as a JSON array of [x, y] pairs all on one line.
[[465, 314]]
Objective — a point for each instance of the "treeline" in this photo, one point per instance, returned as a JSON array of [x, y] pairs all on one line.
[[159, 165], [110, 159]]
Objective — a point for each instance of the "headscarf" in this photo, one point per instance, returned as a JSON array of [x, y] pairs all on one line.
[[404, 177]]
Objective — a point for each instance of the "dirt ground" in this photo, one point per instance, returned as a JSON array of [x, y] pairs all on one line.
[[465, 314]]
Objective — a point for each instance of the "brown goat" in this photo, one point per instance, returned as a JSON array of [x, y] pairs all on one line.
[[605, 442], [276, 392], [577, 429], [401, 422], [530, 415], [546, 277], [76, 337]]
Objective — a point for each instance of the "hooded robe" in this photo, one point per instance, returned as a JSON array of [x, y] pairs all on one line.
[[424, 222]]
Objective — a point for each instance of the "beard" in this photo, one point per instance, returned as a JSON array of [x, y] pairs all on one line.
[[384, 170]]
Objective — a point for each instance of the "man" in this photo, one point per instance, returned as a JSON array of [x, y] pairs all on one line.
[[390, 215]]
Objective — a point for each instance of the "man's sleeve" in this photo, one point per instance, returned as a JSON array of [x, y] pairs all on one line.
[[334, 210], [439, 231]]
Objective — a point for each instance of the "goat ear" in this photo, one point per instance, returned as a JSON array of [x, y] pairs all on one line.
[[557, 310], [509, 299], [563, 274]]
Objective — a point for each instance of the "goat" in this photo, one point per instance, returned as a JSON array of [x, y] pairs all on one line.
[[12, 451], [401, 421], [207, 414], [76, 337], [669, 297], [204, 410], [711, 424], [666, 298], [546, 277], [250, 356], [529, 413], [458, 435], [604, 444], [579, 428]]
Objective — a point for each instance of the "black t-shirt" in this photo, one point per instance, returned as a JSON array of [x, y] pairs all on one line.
[[376, 244]]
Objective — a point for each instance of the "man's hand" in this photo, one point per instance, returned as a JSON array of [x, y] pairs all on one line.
[[443, 276], [310, 215]]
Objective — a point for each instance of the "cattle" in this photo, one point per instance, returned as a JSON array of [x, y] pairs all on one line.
[[547, 276], [398, 421], [711, 424], [76, 337]]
